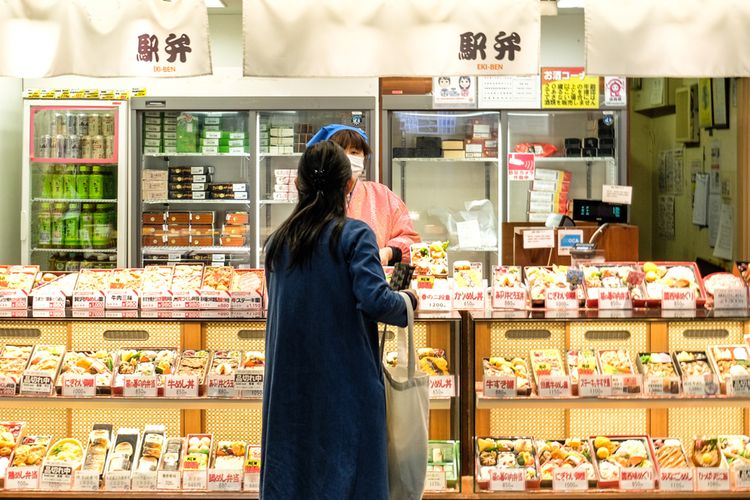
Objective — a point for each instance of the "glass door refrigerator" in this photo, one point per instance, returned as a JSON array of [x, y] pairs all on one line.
[[74, 184]]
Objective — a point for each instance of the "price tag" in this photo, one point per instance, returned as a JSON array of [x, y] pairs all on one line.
[[188, 299], [539, 238], [700, 385], [139, 386], [56, 476], [738, 386], [509, 298], [425, 282], [508, 480], [676, 479], [500, 386], [117, 481], [662, 386], [560, 299], [78, 385], [7, 386], [636, 478], [221, 386], [594, 386], [625, 385], [53, 298], [435, 480], [33, 382], [181, 386], [121, 299], [468, 298], [250, 382], [156, 300], [218, 257], [615, 298], [442, 386], [248, 301], [677, 298], [144, 481], [88, 300], [86, 480], [214, 299], [22, 478], [174, 257], [741, 476], [168, 480], [251, 481], [224, 480], [554, 387], [730, 298], [13, 299], [194, 480], [712, 479], [617, 194], [567, 479], [435, 300]]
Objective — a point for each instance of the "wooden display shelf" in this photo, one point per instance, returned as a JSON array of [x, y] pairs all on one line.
[[575, 403]]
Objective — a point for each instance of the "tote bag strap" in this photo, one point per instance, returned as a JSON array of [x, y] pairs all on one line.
[[405, 343]]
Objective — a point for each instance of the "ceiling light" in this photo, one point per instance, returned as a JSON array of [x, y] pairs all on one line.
[[571, 4], [215, 4]]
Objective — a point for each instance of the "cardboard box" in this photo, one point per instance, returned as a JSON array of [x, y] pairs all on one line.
[[455, 154], [450, 144]]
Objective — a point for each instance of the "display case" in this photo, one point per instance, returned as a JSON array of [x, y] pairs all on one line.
[[74, 184], [444, 166]]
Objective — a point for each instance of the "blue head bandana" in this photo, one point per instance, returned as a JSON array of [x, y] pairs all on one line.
[[326, 132]]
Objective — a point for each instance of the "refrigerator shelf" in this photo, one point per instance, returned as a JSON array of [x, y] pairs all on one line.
[[269, 155], [74, 250], [165, 155], [447, 160], [276, 202], [201, 202], [72, 200], [212, 249]]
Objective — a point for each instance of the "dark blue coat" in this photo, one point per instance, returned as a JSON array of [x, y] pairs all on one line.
[[324, 432]]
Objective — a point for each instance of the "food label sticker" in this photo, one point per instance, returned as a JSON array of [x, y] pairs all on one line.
[[508, 480], [144, 481], [500, 386], [194, 480], [712, 479], [117, 481], [738, 385], [188, 299], [730, 298], [676, 479], [435, 480], [139, 386], [86, 480], [121, 299], [246, 300], [250, 382], [442, 386], [156, 300], [56, 475], [7, 386], [88, 300], [251, 481], [636, 478], [78, 385], [215, 299], [594, 386], [554, 386], [53, 298], [568, 479], [181, 386], [508, 298], [741, 476], [221, 386], [468, 298], [22, 478], [168, 480], [662, 386], [13, 299], [33, 382], [425, 282], [224, 480], [615, 298], [677, 298], [435, 300], [560, 299], [624, 385]]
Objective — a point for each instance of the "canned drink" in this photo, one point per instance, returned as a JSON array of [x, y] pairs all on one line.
[[94, 125], [109, 146], [58, 147], [108, 124], [45, 146], [58, 125], [97, 145], [73, 146], [86, 146], [82, 124], [70, 124]]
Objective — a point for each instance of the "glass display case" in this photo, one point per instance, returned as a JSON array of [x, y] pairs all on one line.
[[74, 184], [444, 166]]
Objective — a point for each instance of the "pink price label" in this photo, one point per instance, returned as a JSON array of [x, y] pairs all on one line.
[[78, 385], [224, 480], [567, 479], [22, 478]]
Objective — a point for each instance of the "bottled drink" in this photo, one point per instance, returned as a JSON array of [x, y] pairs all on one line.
[[58, 125], [82, 181], [73, 146], [96, 183], [102, 228], [45, 178], [108, 124], [86, 229], [70, 124], [82, 124], [44, 219], [97, 146], [71, 226], [58, 182], [69, 182], [57, 225], [94, 124], [86, 147], [58, 147], [44, 148]]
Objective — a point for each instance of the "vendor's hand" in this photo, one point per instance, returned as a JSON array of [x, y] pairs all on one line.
[[386, 255]]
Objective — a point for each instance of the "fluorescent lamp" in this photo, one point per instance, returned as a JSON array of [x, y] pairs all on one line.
[[215, 4], [571, 4]]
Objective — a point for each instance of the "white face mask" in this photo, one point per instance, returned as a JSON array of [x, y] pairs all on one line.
[[358, 165]]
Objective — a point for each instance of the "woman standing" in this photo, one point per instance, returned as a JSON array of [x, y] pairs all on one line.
[[324, 432]]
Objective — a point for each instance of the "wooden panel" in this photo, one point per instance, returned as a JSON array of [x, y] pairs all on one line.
[[405, 86], [742, 211], [658, 420]]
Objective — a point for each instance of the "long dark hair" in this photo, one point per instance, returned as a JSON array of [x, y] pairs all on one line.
[[322, 175]]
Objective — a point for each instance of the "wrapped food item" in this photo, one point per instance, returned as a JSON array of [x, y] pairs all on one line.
[[147, 362], [31, 451], [546, 362], [18, 277], [126, 279], [537, 148], [198, 452], [507, 366], [466, 275], [614, 453], [152, 446], [613, 276], [13, 361], [10, 434], [225, 362], [722, 281], [157, 278], [442, 456], [230, 455], [187, 277], [506, 453], [218, 278], [581, 362], [253, 359], [431, 361], [66, 450], [659, 276], [430, 258], [46, 359], [97, 449], [248, 280], [693, 363], [706, 453], [98, 363], [65, 283], [93, 280], [736, 449], [659, 365], [172, 454], [669, 454], [122, 456], [614, 362], [193, 363], [507, 277], [729, 361], [574, 453]]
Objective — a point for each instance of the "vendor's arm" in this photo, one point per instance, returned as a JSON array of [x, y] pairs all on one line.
[[402, 234]]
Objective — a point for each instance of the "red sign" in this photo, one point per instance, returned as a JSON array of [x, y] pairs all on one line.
[[521, 166]]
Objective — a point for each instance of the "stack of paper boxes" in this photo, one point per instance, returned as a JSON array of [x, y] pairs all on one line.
[[189, 183], [154, 185], [549, 194], [153, 130], [278, 141], [303, 132], [285, 189], [482, 142]]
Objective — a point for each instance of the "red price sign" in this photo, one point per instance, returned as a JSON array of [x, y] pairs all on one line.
[[594, 386], [521, 166], [224, 480], [139, 386], [181, 386], [509, 298], [22, 478], [636, 478], [78, 385], [442, 386], [500, 387], [567, 479], [468, 298], [13, 299]]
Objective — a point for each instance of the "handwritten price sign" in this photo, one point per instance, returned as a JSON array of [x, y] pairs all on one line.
[[442, 386]]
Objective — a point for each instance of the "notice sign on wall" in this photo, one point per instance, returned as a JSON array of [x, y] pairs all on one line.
[[569, 88]]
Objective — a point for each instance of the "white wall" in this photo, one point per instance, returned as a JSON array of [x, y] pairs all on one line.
[[562, 39], [11, 125]]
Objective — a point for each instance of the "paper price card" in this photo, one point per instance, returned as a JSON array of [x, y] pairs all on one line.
[[22, 478], [442, 386], [78, 385], [7, 386], [156, 300], [139, 386], [539, 238], [560, 299], [194, 480], [508, 298], [144, 481], [36, 383], [626, 385], [567, 479], [224, 480], [435, 300], [712, 479], [168, 480], [250, 382], [181, 386], [48, 299], [617, 194], [662, 386], [251, 481], [741, 476], [215, 299], [13, 299], [468, 298], [500, 387], [636, 478], [554, 387], [121, 299], [56, 476], [435, 481], [221, 386], [186, 300], [594, 386], [730, 298], [700, 385], [676, 479], [249, 301], [88, 300], [738, 386], [86, 480], [117, 481], [615, 298], [508, 480], [677, 298]]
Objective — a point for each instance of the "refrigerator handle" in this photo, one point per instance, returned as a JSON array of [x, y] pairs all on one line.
[[24, 225]]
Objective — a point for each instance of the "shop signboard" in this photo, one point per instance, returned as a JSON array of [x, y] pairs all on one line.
[[569, 88]]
